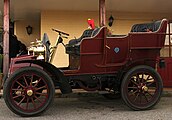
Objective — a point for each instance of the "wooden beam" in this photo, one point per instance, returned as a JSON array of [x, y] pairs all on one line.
[[102, 13], [6, 37]]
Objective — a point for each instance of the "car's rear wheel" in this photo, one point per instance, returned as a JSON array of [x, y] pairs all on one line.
[[141, 87]]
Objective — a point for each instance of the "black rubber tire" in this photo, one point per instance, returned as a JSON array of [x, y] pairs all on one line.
[[125, 89], [24, 71]]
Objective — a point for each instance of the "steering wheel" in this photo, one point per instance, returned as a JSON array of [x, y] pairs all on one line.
[[60, 32], [62, 35]]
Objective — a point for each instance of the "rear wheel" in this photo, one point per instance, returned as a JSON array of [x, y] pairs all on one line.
[[141, 88], [28, 91]]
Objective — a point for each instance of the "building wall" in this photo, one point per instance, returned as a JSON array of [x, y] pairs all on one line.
[[20, 31]]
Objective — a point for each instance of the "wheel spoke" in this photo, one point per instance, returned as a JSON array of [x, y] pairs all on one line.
[[149, 94], [42, 94], [146, 98], [133, 93], [17, 96], [136, 97], [41, 88], [143, 77], [148, 77], [21, 100], [18, 90], [38, 99], [150, 83], [37, 82], [33, 102], [134, 82], [138, 78], [20, 84], [27, 103], [25, 81], [31, 80], [140, 96]]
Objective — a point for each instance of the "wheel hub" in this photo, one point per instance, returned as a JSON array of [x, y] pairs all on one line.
[[29, 92], [145, 88]]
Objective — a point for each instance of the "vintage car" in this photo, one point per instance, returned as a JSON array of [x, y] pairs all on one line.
[[114, 65]]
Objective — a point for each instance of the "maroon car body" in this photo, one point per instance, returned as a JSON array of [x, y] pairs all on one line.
[[114, 64]]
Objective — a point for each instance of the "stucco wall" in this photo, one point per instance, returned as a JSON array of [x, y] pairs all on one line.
[[20, 31]]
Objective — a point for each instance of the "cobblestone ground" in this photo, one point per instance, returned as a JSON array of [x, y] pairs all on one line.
[[94, 108]]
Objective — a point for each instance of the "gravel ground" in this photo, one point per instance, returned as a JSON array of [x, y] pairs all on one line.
[[94, 108]]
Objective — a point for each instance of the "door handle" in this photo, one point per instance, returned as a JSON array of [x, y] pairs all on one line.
[[107, 47]]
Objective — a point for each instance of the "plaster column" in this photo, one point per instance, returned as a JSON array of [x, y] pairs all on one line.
[[102, 13], [6, 37]]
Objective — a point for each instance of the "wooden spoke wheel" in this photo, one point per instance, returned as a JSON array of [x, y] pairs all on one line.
[[141, 88], [28, 91]]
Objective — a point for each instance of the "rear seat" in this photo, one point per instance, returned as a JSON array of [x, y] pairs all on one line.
[[154, 26]]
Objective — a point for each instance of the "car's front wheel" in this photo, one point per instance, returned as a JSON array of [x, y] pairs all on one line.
[[28, 91]]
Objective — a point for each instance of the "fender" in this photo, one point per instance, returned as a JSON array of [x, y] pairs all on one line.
[[130, 64], [52, 71]]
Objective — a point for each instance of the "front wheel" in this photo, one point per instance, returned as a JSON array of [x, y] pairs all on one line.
[[28, 91], [141, 88]]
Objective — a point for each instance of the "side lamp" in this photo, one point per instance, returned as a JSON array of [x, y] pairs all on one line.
[[111, 19], [29, 30]]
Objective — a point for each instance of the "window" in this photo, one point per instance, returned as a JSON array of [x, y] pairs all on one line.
[[167, 50]]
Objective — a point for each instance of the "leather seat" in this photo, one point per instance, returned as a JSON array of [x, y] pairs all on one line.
[[154, 26], [74, 45], [86, 33]]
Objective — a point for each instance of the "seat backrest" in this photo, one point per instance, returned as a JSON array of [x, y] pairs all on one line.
[[154, 26], [87, 33], [95, 31]]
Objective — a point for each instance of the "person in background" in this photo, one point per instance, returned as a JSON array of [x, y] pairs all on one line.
[[16, 47], [22, 49], [13, 46]]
